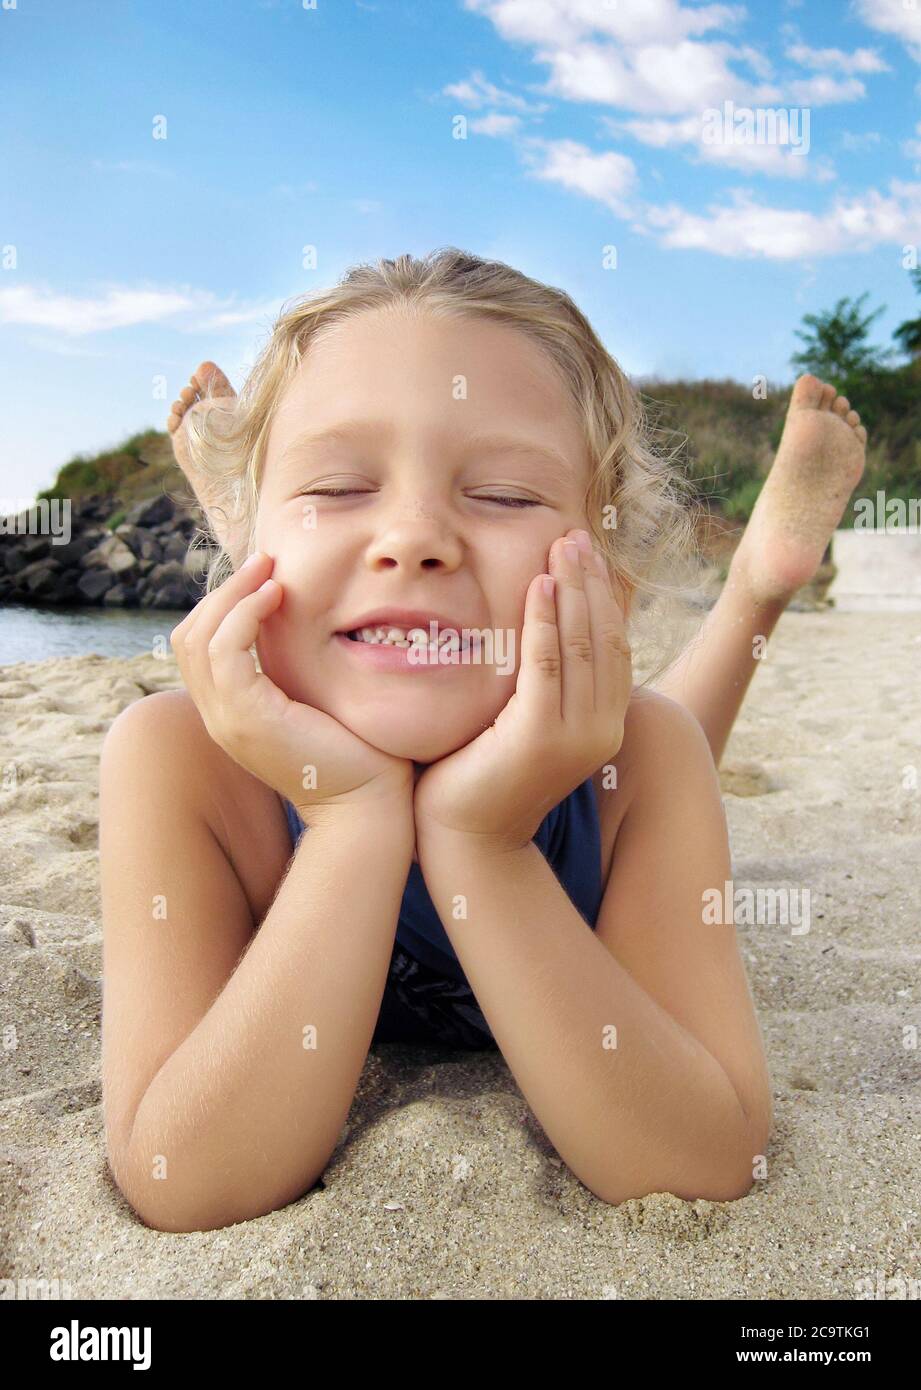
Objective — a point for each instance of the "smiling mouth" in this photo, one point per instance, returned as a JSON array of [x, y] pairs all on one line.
[[387, 636]]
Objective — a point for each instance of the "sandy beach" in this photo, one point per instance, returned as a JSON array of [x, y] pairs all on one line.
[[443, 1184]]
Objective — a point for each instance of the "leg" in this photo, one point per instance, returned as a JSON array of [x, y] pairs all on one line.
[[819, 463]]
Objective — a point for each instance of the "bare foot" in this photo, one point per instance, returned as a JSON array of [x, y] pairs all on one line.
[[818, 464], [207, 386], [207, 389]]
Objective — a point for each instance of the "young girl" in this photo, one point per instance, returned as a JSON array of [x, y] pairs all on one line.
[[508, 844]]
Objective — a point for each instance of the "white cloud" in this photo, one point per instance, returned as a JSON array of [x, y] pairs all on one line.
[[746, 228], [637, 54], [606, 176], [118, 307], [782, 161], [477, 91], [823, 90], [658, 79], [861, 60], [630, 22], [896, 17], [495, 124]]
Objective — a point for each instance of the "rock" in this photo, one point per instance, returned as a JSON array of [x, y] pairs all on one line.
[[36, 580], [175, 548], [120, 596], [111, 554], [153, 512], [140, 541], [13, 559], [92, 584], [34, 547], [166, 587], [73, 552]]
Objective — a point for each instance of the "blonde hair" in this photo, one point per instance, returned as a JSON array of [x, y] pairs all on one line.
[[639, 505]]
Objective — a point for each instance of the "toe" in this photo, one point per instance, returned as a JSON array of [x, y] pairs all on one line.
[[853, 418], [807, 392], [189, 395], [841, 405], [211, 380], [828, 395], [861, 434]]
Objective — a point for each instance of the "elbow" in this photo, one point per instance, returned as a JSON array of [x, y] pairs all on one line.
[[184, 1212], [709, 1187], [727, 1176]]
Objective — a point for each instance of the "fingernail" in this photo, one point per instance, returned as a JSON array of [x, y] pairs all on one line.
[[583, 541], [546, 584], [256, 556], [571, 551]]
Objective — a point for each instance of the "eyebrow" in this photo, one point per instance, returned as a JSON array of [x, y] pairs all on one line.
[[356, 431]]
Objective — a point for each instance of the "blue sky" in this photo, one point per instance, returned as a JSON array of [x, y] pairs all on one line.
[[127, 259]]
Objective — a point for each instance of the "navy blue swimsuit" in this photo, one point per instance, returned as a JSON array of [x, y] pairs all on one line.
[[427, 998]]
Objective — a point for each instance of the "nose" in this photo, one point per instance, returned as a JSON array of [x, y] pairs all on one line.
[[412, 543]]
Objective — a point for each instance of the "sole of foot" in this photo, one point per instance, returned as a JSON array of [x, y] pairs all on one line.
[[208, 387], [819, 462]]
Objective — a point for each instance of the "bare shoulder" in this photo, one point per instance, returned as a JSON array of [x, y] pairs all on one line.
[[658, 732], [166, 711], [663, 744], [161, 741]]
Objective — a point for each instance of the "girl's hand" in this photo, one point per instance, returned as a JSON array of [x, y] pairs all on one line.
[[565, 719], [272, 736]]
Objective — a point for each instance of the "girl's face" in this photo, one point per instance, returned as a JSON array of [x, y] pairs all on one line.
[[427, 423]]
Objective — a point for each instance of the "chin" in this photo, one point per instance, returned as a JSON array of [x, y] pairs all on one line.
[[403, 738]]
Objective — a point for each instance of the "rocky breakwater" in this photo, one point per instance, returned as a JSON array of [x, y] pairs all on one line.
[[143, 562]]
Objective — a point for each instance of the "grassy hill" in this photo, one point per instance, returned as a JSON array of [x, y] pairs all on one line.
[[140, 468]]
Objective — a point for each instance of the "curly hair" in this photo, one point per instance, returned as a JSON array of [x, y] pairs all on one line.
[[639, 505]]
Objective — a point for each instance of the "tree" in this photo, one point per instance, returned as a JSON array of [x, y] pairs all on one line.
[[908, 334], [836, 348]]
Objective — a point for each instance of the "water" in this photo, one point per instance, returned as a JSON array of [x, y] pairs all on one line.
[[35, 634]]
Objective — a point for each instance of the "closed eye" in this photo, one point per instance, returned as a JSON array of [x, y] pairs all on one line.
[[510, 501], [361, 492], [334, 492]]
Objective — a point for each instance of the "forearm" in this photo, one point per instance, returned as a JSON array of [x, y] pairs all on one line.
[[243, 1116], [655, 1112], [714, 671]]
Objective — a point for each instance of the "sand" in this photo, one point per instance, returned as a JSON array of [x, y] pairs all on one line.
[[443, 1184]]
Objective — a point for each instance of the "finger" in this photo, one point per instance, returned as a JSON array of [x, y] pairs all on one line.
[[575, 634], [538, 684], [609, 631], [233, 668], [190, 639]]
